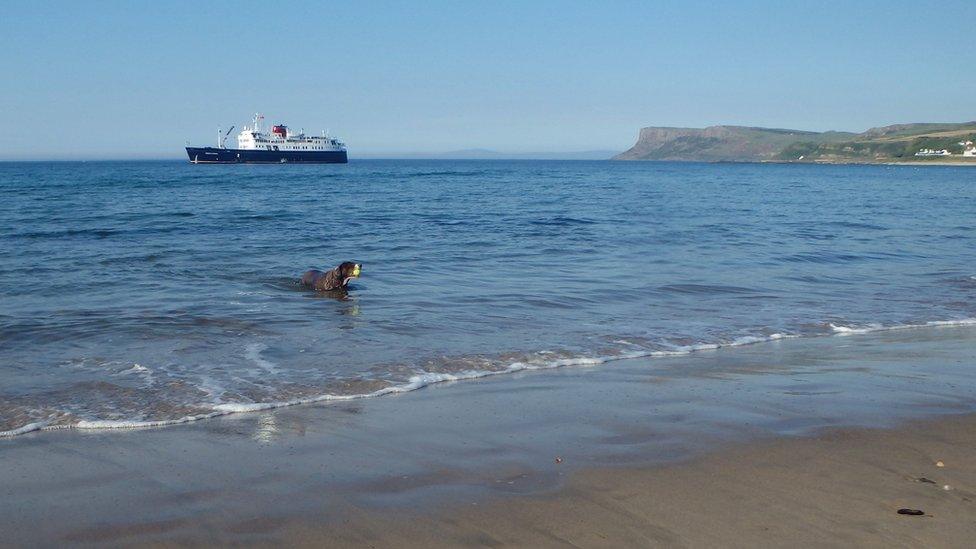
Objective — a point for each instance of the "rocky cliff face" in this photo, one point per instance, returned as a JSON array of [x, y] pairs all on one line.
[[713, 144]]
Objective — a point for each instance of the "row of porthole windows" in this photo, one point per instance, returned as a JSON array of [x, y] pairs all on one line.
[[301, 148], [295, 149]]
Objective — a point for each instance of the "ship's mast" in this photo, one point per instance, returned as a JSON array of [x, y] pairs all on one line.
[[221, 139]]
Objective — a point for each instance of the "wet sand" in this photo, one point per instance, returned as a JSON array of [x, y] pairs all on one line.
[[839, 489], [770, 444]]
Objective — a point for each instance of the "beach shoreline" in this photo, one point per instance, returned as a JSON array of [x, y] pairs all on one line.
[[839, 488], [608, 455]]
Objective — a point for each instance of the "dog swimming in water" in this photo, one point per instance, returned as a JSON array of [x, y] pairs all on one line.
[[336, 279]]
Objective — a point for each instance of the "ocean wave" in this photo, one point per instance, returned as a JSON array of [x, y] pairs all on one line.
[[452, 173], [825, 257], [841, 329], [253, 353], [426, 379], [707, 289], [854, 225], [562, 221]]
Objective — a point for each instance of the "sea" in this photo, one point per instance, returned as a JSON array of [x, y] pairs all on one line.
[[138, 294]]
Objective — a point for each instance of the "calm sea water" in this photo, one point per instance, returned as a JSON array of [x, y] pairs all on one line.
[[159, 291]]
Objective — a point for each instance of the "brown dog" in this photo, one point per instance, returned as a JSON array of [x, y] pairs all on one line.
[[336, 279]]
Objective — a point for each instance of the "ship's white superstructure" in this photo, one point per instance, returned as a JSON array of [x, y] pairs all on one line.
[[279, 146], [282, 138]]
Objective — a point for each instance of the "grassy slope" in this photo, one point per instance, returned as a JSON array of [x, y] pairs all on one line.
[[721, 143], [893, 143], [737, 143]]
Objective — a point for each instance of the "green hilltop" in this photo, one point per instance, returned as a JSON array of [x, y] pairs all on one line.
[[897, 143]]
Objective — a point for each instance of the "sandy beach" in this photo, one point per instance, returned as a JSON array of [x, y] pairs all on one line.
[[842, 488], [794, 442], [960, 162]]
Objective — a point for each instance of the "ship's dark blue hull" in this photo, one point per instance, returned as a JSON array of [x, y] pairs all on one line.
[[213, 155]]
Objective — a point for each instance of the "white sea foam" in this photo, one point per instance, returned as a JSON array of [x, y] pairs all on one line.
[[135, 369], [210, 386], [961, 322], [842, 330], [30, 427], [426, 379], [873, 327], [253, 351], [124, 424]]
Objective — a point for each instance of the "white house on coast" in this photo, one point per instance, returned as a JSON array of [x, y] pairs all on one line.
[[931, 152], [969, 149]]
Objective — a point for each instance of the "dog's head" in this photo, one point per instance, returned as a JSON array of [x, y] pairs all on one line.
[[348, 271]]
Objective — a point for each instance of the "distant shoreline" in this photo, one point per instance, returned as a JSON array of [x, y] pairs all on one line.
[[936, 163], [940, 162], [899, 143], [816, 163]]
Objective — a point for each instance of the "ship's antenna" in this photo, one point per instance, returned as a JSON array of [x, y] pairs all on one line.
[[218, 136]]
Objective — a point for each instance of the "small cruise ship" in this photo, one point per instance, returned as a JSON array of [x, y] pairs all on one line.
[[280, 146]]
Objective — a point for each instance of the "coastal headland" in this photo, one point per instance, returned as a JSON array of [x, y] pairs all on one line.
[[926, 143]]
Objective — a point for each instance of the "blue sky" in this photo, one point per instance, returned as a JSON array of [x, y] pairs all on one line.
[[139, 79]]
